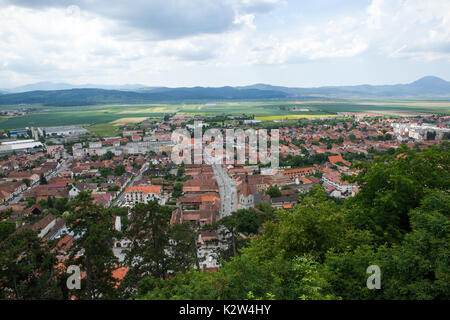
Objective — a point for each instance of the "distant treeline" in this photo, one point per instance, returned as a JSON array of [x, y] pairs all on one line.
[[83, 97]]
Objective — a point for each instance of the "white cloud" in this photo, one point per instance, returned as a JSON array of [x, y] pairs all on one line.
[[57, 41], [258, 6], [159, 19], [410, 29]]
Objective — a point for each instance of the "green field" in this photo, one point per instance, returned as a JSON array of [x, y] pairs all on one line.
[[98, 118]]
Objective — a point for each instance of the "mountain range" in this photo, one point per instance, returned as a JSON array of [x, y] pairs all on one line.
[[61, 94]]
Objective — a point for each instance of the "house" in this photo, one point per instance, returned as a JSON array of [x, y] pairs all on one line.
[[301, 172], [43, 226], [144, 194], [136, 138], [285, 202], [338, 160], [33, 177], [5, 196], [47, 190], [73, 192], [332, 181], [102, 199]]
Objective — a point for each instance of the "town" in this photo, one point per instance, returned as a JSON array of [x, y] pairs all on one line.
[[46, 168]]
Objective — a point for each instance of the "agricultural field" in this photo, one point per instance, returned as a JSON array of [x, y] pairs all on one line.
[[104, 119], [104, 130], [294, 116]]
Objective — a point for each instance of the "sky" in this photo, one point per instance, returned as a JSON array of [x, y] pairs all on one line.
[[213, 43]]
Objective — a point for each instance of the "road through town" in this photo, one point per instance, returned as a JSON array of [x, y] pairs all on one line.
[[227, 191]]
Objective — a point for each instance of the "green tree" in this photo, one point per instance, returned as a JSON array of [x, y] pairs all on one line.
[[416, 268], [108, 155], [93, 229], [42, 179], [61, 205], [49, 202], [6, 229], [392, 185], [149, 235], [177, 190], [119, 170], [274, 192], [27, 182], [27, 268], [183, 247], [105, 171]]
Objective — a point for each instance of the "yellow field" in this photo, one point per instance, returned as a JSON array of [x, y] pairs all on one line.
[[294, 116], [434, 104], [123, 121]]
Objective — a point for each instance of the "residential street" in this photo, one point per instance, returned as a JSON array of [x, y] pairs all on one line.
[[227, 191]]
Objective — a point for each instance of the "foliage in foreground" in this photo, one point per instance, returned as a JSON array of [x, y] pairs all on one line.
[[321, 250]]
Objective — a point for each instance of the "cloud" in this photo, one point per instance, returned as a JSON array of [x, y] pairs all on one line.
[[409, 29], [113, 41], [258, 6], [186, 50], [159, 19]]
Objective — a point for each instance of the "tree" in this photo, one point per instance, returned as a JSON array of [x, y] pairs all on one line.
[[149, 236], [230, 229], [392, 185], [274, 192], [177, 190], [6, 229], [228, 237], [321, 249], [42, 179], [119, 170], [108, 155], [49, 202], [93, 229], [105, 171], [27, 182], [180, 171], [416, 268], [183, 248], [61, 205], [315, 226], [28, 268]]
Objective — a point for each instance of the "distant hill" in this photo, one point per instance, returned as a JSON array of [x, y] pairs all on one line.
[[425, 88], [78, 97], [52, 86]]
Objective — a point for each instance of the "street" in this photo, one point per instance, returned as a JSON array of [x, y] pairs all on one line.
[[227, 191]]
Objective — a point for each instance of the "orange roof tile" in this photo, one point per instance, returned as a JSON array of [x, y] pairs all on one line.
[[156, 189]]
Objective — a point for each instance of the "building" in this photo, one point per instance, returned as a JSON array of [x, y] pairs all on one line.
[[338, 160], [332, 181], [295, 173], [63, 131], [19, 146], [144, 194], [419, 132]]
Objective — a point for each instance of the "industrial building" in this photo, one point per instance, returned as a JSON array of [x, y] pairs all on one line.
[[63, 131], [19, 146]]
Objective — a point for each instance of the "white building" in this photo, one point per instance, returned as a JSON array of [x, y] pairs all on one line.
[[333, 180], [19, 145], [144, 194]]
